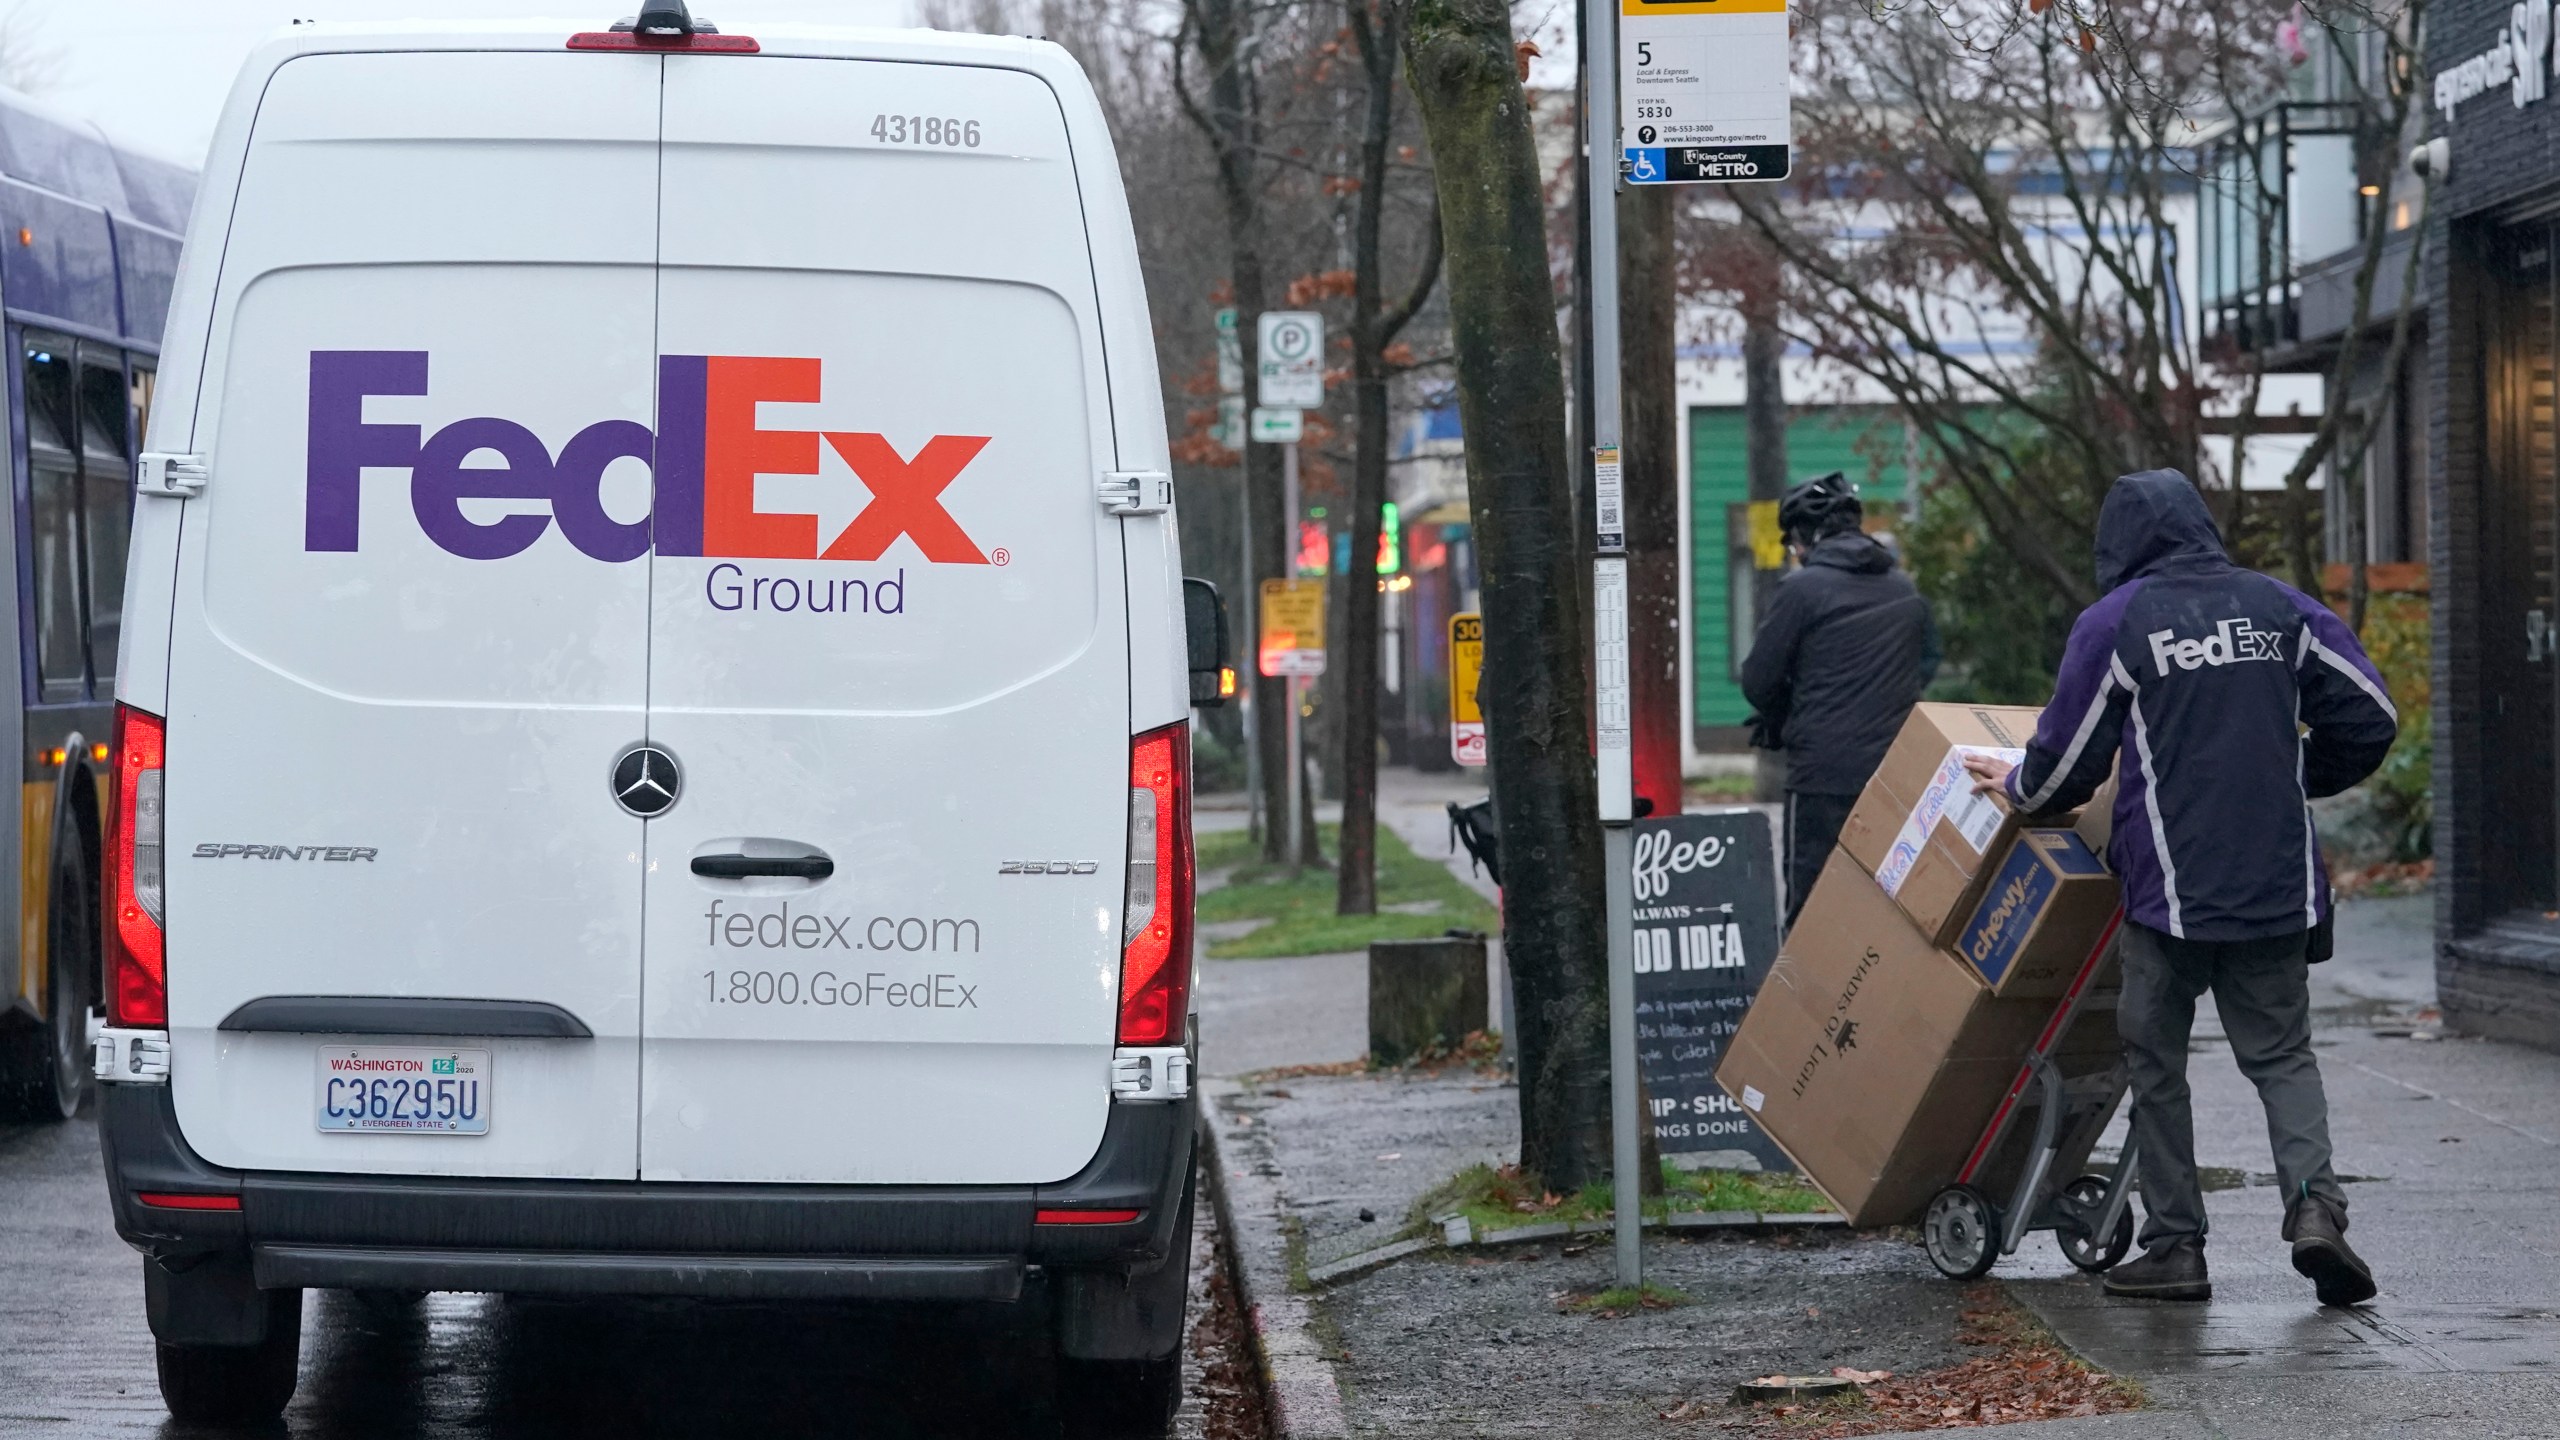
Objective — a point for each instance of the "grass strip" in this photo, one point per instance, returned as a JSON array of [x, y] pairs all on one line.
[[1299, 906], [1495, 1199]]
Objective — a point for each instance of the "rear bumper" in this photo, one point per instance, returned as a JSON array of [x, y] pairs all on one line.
[[574, 1237]]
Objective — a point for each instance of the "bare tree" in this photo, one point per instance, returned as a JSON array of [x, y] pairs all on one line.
[[1985, 227], [1462, 65], [1377, 30]]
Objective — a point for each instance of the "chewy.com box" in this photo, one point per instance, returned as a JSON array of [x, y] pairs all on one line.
[[1919, 828], [2048, 905]]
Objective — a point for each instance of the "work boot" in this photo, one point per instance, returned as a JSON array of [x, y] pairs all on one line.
[[2172, 1270], [2317, 1229]]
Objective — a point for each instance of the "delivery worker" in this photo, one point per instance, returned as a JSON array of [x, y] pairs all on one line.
[[1841, 657], [2234, 700]]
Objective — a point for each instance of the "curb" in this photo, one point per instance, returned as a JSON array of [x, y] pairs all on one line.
[[1298, 1384]]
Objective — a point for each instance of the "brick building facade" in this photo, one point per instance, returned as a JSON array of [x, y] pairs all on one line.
[[2493, 490]]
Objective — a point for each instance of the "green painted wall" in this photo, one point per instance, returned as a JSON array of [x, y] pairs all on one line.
[[1864, 441]]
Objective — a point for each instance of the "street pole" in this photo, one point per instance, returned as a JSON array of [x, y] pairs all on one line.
[[1249, 594], [1289, 528], [1616, 742]]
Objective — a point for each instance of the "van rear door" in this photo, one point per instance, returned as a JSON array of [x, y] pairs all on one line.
[[891, 661], [411, 628]]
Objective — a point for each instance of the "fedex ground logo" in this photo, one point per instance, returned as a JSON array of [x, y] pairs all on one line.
[[704, 458]]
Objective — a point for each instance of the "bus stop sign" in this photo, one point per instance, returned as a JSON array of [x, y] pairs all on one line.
[[1702, 91]]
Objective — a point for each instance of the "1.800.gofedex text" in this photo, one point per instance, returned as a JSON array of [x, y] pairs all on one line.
[[825, 989]]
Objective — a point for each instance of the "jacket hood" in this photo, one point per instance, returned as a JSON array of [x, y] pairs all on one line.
[[1856, 552], [2153, 521]]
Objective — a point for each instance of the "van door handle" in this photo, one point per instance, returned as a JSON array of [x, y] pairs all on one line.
[[744, 867]]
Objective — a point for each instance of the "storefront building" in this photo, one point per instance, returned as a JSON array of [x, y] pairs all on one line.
[[2494, 514]]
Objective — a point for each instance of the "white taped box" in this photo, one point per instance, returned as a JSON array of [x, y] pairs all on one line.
[[1919, 829]]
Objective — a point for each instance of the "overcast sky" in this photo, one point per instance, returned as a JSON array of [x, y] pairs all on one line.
[[154, 72]]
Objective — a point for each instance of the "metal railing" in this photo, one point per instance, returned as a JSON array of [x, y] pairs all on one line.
[[2278, 192]]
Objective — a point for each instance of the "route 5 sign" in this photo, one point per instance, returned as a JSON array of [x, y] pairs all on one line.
[[1703, 94]]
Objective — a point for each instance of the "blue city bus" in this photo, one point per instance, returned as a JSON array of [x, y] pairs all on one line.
[[89, 237]]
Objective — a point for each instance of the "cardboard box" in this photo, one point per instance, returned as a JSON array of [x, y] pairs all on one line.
[[1919, 829], [1874, 1058], [2049, 903]]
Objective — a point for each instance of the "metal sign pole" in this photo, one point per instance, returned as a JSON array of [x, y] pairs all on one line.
[[1290, 529], [1616, 749], [1249, 598]]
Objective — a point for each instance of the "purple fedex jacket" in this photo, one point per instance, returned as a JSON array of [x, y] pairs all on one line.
[[2234, 700]]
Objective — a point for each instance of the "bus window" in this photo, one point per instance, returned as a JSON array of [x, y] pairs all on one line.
[[106, 499], [144, 380], [53, 536]]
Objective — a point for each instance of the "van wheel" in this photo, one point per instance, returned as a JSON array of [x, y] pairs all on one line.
[[1119, 1399], [44, 1071], [236, 1384]]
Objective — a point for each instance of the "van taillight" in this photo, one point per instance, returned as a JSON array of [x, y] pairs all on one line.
[[137, 975], [1155, 958]]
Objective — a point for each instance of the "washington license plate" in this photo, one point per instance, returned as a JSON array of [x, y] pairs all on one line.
[[404, 1090]]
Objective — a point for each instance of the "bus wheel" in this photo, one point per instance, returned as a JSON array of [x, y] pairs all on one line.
[[44, 1070]]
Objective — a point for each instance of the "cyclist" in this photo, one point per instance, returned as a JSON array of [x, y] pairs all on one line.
[[1841, 657]]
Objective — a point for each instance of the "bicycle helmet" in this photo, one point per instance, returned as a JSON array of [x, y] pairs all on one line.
[[1816, 509]]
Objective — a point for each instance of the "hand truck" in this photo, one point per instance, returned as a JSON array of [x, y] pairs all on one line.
[[2091, 1218]]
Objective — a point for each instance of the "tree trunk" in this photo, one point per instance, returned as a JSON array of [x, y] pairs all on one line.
[[1648, 294], [1511, 398], [1373, 329], [1234, 132], [1764, 443]]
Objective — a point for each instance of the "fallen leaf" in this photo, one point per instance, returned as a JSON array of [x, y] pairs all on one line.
[[1862, 1377]]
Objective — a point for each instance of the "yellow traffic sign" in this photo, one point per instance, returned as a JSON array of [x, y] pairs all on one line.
[[1292, 627], [1466, 673]]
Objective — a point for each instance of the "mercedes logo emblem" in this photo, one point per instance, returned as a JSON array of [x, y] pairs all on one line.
[[645, 780]]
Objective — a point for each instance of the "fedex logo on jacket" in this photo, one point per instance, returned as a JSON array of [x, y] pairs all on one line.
[[704, 458], [2232, 642]]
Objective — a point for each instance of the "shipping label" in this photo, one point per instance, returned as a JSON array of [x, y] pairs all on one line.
[[1948, 795]]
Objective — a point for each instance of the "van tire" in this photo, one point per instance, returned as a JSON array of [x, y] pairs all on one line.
[[236, 1384], [44, 1070], [1119, 1399]]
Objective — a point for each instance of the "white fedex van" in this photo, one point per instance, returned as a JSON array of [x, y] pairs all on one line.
[[651, 752]]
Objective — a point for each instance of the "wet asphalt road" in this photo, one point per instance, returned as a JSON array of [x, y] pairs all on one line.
[[76, 1358]]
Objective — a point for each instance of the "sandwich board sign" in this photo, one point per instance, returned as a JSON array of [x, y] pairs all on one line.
[[1702, 91], [1706, 933], [1292, 627], [1466, 672], [1291, 360]]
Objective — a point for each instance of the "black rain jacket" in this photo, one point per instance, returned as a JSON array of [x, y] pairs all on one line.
[[1841, 657]]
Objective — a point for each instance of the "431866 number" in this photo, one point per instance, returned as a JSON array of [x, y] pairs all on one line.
[[925, 130]]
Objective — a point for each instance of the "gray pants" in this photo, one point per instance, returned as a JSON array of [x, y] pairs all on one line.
[[2262, 990]]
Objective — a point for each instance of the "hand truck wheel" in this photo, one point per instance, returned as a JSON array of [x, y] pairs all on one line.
[[1961, 1233], [2082, 1249]]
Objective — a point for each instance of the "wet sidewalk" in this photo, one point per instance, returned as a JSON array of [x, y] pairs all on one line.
[[2454, 1146], [2452, 1149]]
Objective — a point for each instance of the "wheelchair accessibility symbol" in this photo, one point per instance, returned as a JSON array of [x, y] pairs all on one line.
[[1645, 167]]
